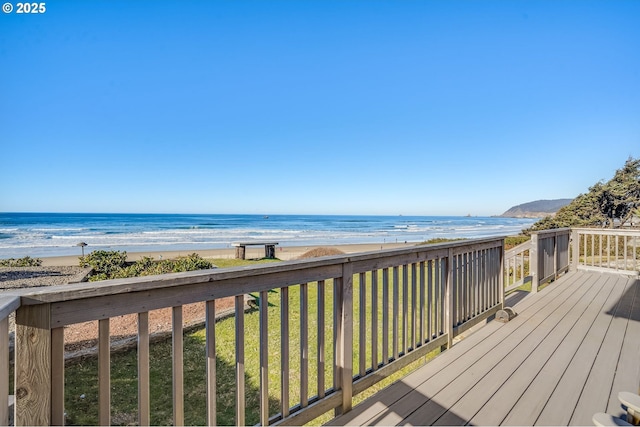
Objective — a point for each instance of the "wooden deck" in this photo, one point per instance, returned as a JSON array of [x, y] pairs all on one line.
[[570, 350]]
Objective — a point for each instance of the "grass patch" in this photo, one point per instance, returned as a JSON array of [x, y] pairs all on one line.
[[513, 241]]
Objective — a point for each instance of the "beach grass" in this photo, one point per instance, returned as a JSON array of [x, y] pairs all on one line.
[[82, 384]]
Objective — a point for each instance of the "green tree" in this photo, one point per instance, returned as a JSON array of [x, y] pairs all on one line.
[[620, 197], [606, 204]]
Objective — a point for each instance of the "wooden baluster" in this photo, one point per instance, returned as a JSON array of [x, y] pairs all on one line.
[[635, 254], [178, 366], [345, 338], [374, 319], [624, 241], [617, 253], [414, 302], [422, 323], [57, 377], [405, 308], [464, 288], [395, 314], [144, 405], [210, 332], [321, 340], [430, 301], [385, 316], [264, 358], [4, 370], [455, 285], [362, 337], [284, 352], [439, 296], [104, 373], [448, 299], [304, 345], [337, 300], [240, 385]]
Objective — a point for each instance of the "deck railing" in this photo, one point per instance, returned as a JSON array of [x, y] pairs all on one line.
[[550, 255], [604, 249], [517, 266], [539, 260], [355, 318]]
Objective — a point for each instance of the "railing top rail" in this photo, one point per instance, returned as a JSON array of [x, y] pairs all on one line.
[[609, 231], [543, 233], [8, 304], [517, 249], [120, 286]]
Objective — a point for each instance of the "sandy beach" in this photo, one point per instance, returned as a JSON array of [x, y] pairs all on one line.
[[284, 253]]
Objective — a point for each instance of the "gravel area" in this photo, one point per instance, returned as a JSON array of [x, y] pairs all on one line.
[[33, 277]]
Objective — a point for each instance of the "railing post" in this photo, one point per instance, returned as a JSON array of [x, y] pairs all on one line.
[[501, 275], [4, 371], [33, 365], [555, 256], [533, 263], [575, 249], [345, 338]]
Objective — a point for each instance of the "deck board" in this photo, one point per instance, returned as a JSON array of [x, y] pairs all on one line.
[[627, 375], [562, 403], [570, 350], [526, 342], [531, 403], [596, 391], [514, 397]]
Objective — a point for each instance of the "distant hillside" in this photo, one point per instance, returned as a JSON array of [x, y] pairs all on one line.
[[537, 209]]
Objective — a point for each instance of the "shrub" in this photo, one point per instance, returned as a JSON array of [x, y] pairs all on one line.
[[113, 265], [105, 264], [191, 263], [21, 262]]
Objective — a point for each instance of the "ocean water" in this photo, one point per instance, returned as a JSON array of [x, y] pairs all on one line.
[[56, 234]]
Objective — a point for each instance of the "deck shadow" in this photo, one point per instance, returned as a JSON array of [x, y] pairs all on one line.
[[427, 410]]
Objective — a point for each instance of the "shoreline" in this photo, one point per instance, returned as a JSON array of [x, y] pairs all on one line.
[[284, 253]]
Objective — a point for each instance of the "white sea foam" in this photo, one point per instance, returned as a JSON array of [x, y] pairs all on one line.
[[157, 232]]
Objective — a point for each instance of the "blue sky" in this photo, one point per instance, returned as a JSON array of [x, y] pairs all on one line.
[[334, 106]]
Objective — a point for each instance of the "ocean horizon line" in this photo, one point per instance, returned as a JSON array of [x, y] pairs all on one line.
[[57, 234], [246, 213]]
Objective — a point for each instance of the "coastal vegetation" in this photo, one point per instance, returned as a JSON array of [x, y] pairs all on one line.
[[512, 241], [114, 265], [614, 203], [21, 262]]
